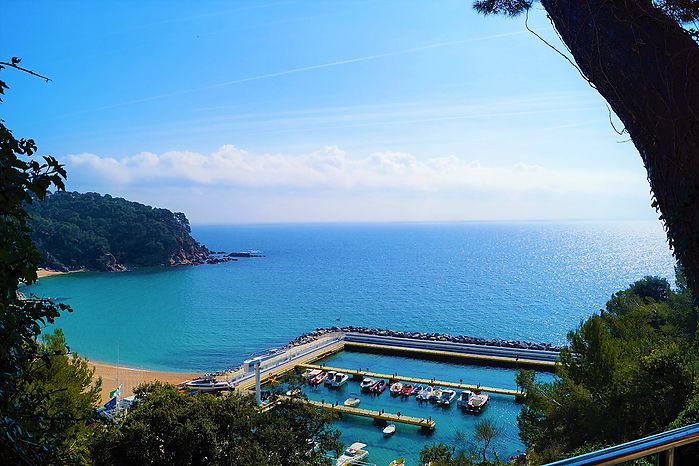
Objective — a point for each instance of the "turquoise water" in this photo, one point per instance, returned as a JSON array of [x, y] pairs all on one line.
[[408, 440], [531, 281]]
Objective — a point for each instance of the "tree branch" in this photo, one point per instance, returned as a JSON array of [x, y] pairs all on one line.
[[17, 67]]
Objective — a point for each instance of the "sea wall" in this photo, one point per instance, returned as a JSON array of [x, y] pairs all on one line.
[[317, 333]]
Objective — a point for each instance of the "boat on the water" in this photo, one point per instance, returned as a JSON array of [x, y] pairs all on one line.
[[425, 393], [310, 374], [353, 455], [329, 379], [293, 392], [464, 397], [389, 430], [367, 383], [436, 395], [397, 462], [406, 390], [319, 378], [339, 380], [477, 403], [416, 389], [396, 388], [379, 387], [446, 397], [353, 400], [207, 384]]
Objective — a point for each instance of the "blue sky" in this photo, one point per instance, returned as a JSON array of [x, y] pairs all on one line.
[[288, 111]]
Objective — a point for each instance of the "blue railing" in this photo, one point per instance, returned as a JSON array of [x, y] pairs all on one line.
[[663, 444]]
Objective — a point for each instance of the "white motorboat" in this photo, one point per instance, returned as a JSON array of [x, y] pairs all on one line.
[[389, 430], [446, 397], [477, 403], [353, 400], [436, 394], [367, 383], [464, 397], [310, 374], [353, 455], [396, 388], [293, 392], [331, 377], [207, 384], [425, 393], [339, 379]]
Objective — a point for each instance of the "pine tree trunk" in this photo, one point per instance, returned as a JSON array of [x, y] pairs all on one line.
[[647, 67]]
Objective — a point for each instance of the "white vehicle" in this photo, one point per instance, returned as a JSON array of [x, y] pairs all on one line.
[[464, 398], [389, 430], [331, 377], [436, 395], [207, 384], [353, 455], [367, 383], [447, 397], [396, 388], [477, 403], [339, 380], [353, 400], [310, 374], [425, 393]]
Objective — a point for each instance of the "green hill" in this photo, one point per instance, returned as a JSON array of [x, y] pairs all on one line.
[[73, 230]]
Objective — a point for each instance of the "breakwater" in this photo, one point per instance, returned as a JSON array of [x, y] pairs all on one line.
[[426, 336]]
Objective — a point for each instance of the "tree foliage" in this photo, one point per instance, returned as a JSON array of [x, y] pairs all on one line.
[[44, 395], [628, 371], [73, 230], [172, 428]]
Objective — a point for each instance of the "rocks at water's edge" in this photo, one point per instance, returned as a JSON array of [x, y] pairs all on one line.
[[317, 333]]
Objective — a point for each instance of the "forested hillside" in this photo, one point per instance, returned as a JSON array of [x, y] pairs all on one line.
[[73, 230]]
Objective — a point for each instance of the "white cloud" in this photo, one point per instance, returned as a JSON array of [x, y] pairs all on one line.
[[331, 168]]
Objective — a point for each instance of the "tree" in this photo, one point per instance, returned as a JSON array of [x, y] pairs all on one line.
[[43, 397], [172, 428], [638, 56]]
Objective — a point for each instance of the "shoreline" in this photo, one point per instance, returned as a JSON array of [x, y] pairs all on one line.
[[42, 272], [131, 377]]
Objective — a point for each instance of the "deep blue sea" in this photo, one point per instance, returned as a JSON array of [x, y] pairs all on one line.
[[528, 281]]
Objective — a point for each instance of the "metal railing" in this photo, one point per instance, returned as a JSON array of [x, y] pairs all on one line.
[[662, 444]]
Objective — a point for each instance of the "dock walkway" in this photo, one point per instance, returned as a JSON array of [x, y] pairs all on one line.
[[426, 423], [415, 380]]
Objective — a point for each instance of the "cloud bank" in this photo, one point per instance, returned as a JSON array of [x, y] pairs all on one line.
[[332, 169]]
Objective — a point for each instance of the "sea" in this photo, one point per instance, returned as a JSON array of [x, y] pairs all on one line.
[[530, 281]]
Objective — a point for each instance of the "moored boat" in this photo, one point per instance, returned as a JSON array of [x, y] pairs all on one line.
[[417, 389], [353, 400], [425, 393], [436, 394], [379, 387], [406, 390], [353, 454], [207, 384], [396, 388], [446, 397], [367, 383], [310, 374], [339, 379], [464, 397], [389, 430], [319, 378], [329, 379], [477, 403], [293, 392]]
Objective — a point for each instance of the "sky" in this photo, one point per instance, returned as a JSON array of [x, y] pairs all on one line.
[[318, 111]]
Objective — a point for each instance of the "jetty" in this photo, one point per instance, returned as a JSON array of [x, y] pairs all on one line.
[[380, 416], [415, 380]]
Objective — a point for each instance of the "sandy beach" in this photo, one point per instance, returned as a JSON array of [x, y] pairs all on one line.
[[130, 377], [41, 273]]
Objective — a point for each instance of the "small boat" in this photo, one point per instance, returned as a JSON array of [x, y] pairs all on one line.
[[293, 392], [397, 462], [425, 393], [319, 378], [339, 380], [379, 387], [353, 455], [416, 390], [353, 400], [464, 397], [389, 430], [477, 403], [207, 384], [436, 394], [329, 379], [406, 390], [396, 388], [310, 374], [367, 383], [446, 397]]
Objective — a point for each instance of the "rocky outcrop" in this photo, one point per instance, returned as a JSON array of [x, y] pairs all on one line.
[[317, 333]]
